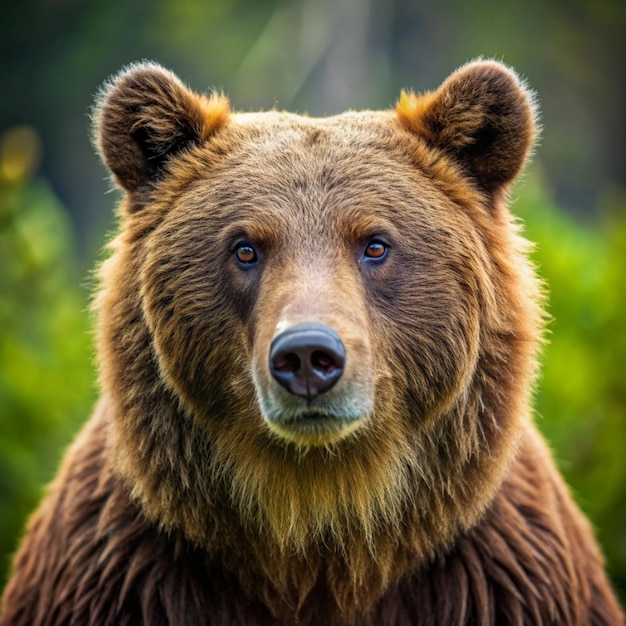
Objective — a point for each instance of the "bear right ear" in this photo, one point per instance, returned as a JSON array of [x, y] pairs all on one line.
[[144, 116], [482, 116]]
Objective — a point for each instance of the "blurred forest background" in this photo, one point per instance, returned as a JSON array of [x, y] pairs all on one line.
[[318, 56]]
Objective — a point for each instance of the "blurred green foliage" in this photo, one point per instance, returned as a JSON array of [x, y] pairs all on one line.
[[581, 401], [45, 371]]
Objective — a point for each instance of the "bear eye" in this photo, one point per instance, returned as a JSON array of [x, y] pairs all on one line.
[[376, 250], [245, 254]]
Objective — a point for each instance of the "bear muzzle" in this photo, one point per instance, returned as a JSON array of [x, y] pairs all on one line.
[[314, 387]]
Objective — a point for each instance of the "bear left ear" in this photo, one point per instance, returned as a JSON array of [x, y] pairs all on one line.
[[483, 116], [144, 116]]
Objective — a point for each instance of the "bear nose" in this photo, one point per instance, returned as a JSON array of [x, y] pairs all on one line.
[[307, 359]]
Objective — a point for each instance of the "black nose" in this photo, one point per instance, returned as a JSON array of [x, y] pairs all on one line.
[[307, 359]]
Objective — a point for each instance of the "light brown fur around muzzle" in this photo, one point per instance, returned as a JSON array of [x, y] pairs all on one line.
[[316, 293]]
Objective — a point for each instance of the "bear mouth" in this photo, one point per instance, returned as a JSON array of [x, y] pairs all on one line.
[[314, 427]]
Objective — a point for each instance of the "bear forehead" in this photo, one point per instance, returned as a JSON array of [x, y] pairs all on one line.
[[288, 159], [359, 171], [268, 120], [346, 134], [286, 150]]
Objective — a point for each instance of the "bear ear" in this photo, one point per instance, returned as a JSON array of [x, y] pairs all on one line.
[[144, 116], [483, 116]]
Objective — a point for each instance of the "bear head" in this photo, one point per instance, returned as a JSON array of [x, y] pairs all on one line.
[[322, 330]]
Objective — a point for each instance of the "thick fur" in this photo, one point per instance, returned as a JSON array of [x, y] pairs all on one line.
[[415, 491]]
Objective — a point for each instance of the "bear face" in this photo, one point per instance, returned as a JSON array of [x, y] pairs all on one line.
[[308, 238], [329, 325]]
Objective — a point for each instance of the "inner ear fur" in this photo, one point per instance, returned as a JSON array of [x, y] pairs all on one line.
[[144, 116], [483, 116]]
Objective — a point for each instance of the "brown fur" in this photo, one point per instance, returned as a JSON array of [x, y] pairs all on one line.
[[185, 501]]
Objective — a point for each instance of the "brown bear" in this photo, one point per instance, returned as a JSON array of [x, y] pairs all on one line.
[[317, 342]]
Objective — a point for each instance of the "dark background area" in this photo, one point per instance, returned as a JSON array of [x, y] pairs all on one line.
[[320, 57]]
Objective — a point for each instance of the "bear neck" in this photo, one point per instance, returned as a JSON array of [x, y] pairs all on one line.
[[351, 555]]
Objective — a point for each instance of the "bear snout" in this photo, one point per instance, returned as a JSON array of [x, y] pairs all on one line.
[[307, 359], [313, 382]]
